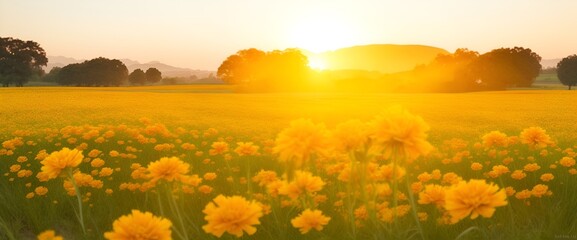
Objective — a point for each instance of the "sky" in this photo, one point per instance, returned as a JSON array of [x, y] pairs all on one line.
[[200, 34]]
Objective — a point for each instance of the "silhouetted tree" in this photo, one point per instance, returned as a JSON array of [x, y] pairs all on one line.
[[256, 70], [507, 67], [153, 75], [455, 71], [53, 75], [20, 60], [96, 72], [137, 77], [567, 71]]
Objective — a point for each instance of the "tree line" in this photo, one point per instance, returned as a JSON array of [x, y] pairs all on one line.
[[286, 70]]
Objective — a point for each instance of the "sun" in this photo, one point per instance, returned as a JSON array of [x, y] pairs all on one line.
[[317, 63]]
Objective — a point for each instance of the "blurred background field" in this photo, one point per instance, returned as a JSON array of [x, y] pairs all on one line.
[[464, 115]]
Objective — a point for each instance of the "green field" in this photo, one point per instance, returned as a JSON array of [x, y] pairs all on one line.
[[128, 125]]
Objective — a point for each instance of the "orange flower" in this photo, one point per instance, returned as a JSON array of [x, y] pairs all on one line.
[[397, 132], [142, 226], [169, 169], [310, 219], [434, 194], [304, 182], [54, 164], [49, 235], [234, 215], [297, 143], [495, 139], [535, 137], [474, 198], [246, 149]]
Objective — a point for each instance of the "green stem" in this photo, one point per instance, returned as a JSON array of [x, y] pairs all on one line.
[[414, 210], [79, 214]]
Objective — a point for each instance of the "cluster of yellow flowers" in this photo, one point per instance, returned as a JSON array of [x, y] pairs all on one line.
[[369, 173]]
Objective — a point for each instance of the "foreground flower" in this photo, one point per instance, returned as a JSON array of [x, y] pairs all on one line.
[[398, 133], [495, 139], [234, 215], [142, 226], [304, 182], [53, 165], [474, 198], [310, 219], [302, 139], [535, 137], [169, 169], [49, 235]]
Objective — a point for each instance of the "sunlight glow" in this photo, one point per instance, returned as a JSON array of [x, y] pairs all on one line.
[[317, 63], [323, 32]]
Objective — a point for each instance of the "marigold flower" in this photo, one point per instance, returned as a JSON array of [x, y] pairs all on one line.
[[476, 166], [535, 137], [304, 182], [525, 194], [40, 191], [401, 133], [546, 177], [97, 162], [54, 164], [49, 235], [310, 219], [495, 139], [518, 174], [139, 225], [297, 143], [218, 148], [474, 198], [539, 190], [350, 135], [531, 167], [264, 177], [567, 162], [246, 149], [234, 215], [433, 194], [169, 169]]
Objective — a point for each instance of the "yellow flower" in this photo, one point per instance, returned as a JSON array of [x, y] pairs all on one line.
[[297, 143], [400, 133], [546, 177], [218, 148], [97, 162], [246, 149], [495, 139], [540, 190], [234, 215], [350, 135], [474, 198], [49, 235], [476, 166], [535, 137], [567, 162], [264, 177], [304, 182], [434, 194], [54, 164], [531, 167], [518, 174], [209, 176], [169, 169], [41, 191], [310, 219], [139, 225]]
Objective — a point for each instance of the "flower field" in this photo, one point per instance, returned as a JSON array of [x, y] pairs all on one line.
[[200, 163]]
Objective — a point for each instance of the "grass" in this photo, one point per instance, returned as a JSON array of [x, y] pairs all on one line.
[[188, 111]]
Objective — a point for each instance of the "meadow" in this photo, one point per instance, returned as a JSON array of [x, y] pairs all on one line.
[[208, 164]]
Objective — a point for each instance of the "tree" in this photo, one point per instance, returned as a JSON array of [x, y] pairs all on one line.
[[137, 77], [256, 70], [53, 75], [567, 71], [96, 72], [20, 60], [507, 67], [153, 75]]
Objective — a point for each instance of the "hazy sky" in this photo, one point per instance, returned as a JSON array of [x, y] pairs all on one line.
[[200, 34]]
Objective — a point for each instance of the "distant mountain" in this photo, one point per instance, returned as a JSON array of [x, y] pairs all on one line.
[[165, 69], [550, 63], [384, 58]]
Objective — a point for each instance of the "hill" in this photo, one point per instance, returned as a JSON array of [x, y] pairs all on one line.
[[165, 69], [384, 58]]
